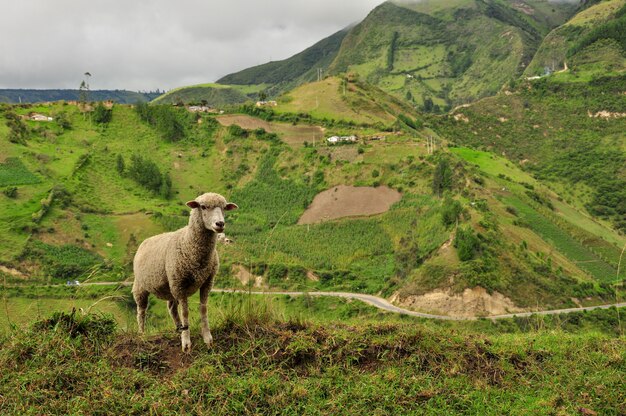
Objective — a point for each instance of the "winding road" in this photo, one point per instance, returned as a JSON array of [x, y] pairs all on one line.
[[383, 304]]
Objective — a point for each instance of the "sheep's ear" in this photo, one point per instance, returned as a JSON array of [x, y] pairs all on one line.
[[193, 204], [230, 206]]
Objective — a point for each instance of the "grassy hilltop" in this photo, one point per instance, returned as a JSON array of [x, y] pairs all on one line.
[[264, 362]]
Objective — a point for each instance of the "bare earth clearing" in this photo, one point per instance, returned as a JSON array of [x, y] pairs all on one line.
[[290, 134], [349, 201], [472, 302]]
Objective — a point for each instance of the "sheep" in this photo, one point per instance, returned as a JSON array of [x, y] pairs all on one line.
[[173, 266]]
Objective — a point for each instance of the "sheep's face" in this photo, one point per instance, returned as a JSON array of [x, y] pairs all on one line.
[[211, 208]]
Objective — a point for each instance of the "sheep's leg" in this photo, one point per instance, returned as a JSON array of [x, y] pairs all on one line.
[[206, 332], [141, 299], [172, 307], [185, 337]]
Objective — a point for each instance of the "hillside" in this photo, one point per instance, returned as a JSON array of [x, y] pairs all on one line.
[[344, 99], [14, 96], [471, 234], [566, 132], [286, 74], [577, 42], [215, 95]]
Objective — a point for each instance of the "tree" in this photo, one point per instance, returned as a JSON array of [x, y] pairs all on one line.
[[442, 178], [451, 211], [83, 94], [428, 104], [101, 114]]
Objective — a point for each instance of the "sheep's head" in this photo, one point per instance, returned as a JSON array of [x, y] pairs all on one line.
[[211, 209]]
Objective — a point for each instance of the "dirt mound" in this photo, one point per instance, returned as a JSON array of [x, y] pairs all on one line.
[[245, 277], [472, 302], [12, 272], [158, 354], [349, 201]]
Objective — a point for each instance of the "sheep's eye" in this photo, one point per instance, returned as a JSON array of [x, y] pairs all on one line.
[[203, 206]]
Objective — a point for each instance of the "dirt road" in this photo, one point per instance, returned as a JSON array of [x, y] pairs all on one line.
[[383, 304]]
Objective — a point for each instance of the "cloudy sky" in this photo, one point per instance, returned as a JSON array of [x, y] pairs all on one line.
[[150, 44]]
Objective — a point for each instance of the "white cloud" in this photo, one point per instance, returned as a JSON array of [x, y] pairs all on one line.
[[148, 44]]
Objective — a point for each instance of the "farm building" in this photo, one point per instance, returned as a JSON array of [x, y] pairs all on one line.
[[266, 103], [201, 109], [39, 117], [339, 139]]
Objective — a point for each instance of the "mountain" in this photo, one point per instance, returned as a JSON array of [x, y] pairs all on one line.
[[14, 96], [434, 53], [286, 74], [567, 126]]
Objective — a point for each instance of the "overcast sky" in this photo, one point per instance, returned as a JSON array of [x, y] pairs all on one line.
[[149, 44]]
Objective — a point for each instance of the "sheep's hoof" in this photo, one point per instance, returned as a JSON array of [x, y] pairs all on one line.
[[208, 339], [186, 341]]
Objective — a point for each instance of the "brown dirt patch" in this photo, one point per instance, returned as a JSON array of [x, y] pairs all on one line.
[[244, 276], [472, 302], [12, 272], [312, 276], [349, 201], [243, 121], [158, 355], [292, 135]]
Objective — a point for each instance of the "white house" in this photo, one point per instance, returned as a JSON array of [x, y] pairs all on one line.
[[40, 117], [337, 139], [270, 103]]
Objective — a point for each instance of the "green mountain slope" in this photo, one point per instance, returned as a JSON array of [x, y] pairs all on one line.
[[573, 42], [344, 99], [216, 95], [454, 54], [288, 73]]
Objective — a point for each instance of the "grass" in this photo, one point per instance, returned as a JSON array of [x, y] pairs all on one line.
[[13, 172], [262, 363], [577, 252]]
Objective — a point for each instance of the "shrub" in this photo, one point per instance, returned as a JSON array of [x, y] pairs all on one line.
[[101, 114], [147, 174], [466, 243], [451, 211], [10, 192]]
